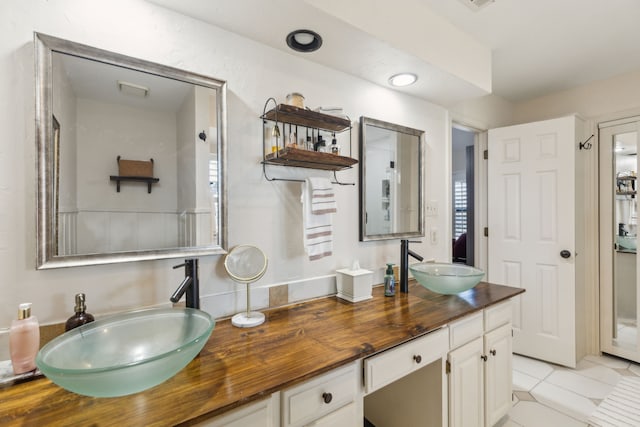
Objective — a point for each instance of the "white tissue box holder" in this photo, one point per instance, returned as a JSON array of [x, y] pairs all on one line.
[[354, 285]]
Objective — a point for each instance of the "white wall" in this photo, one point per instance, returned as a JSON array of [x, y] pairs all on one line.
[[611, 97], [267, 214], [106, 131], [484, 113]]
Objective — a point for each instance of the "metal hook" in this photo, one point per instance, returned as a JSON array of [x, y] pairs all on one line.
[[586, 145]]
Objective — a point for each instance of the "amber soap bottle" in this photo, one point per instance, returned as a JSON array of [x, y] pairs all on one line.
[[81, 316]]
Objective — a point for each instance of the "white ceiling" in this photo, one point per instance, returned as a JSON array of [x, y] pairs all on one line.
[[99, 81], [538, 46], [543, 46]]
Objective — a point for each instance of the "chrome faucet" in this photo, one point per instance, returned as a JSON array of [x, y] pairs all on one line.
[[404, 264], [190, 284]]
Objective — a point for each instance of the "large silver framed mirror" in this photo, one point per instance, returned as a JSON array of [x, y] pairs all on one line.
[[131, 158], [391, 181]]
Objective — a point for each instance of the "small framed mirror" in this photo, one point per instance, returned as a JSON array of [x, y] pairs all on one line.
[[391, 181], [131, 158]]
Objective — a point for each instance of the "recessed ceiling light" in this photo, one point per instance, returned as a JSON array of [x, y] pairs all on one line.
[[304, 40], [403, 79]]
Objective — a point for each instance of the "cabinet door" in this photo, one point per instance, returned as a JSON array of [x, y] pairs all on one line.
[[466, 390], [497, 344]]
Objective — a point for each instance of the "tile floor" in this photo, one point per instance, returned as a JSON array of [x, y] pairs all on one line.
[[627, 336], [548, 395]]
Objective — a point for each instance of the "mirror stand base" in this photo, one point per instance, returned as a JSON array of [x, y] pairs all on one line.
[[248, 320]]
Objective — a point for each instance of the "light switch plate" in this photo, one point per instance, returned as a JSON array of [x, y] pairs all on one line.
[[431, 208]]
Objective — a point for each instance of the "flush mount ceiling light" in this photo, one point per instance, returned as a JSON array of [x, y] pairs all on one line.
[[304, 40], [403, 79], [476, 5], [133, 89]]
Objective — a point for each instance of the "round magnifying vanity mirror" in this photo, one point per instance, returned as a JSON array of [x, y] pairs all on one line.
[[246, 264]]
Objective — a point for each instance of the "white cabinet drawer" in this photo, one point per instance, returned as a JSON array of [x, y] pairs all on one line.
[[497, 315], [343, 417], [310, 401], [465, 330], [393, 364], [264, 413]]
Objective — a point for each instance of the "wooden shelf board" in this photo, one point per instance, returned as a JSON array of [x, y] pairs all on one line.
[[148, 179], [307, 118], [309, 159]]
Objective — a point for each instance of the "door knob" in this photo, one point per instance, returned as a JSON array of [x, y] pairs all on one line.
[[565, 253]]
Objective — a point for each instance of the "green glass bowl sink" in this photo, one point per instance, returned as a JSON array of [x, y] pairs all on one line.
[[627, 243], [125, 353], [446, 278]]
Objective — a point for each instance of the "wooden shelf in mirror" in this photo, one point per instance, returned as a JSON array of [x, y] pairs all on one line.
[[309, 159], [148, 179], [307, 118]]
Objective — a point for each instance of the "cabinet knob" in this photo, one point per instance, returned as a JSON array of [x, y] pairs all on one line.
[[417, 358], [484, 357], [327, 397], [493, 352]]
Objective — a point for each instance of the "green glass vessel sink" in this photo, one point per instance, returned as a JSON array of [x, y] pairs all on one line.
[[628, 243], [125, 353], [446, 278]]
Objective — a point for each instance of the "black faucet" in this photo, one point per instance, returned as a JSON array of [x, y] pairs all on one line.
[[404, 264], [190, 284]]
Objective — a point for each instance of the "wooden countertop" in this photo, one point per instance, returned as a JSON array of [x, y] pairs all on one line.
[[238, 366]]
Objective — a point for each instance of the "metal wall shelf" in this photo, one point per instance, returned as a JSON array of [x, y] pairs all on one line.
[[301, 158]]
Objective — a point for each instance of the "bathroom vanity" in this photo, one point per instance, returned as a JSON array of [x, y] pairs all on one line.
[[324, 362]]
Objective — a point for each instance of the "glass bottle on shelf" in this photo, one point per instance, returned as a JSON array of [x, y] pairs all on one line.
[[275, 135], [335, 148]]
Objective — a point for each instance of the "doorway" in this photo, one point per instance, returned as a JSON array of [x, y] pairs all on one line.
[[466, 195], [619, 299]]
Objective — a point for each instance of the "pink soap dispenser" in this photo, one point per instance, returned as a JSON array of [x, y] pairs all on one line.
[[24, 340]]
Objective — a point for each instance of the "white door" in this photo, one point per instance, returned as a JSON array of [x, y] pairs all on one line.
[[531, 209]]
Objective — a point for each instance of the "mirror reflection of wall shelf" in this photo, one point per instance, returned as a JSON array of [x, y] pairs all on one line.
[[304, 136], [80, 219], [246, 264], [134, 170], [391, 181], [626, 185]]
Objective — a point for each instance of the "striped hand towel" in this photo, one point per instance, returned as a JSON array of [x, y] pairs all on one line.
[[322, 197], [317, 228]]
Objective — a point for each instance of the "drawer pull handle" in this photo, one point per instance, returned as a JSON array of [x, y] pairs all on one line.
[[417, 358], [484, 357], [493, 352], [327, 397]]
